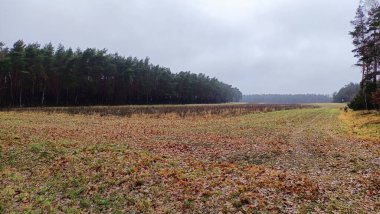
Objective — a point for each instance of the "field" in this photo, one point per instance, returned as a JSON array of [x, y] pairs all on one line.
[[302, 160], [164, 110]]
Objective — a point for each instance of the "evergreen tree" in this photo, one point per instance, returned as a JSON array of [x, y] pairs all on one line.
[[366, 39], [31, 75], [347, 93]]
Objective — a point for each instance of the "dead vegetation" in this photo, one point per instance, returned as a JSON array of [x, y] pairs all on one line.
[[296, 161], [164, 110]]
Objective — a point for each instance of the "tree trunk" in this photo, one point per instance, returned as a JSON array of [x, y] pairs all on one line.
[[363, 71], [67, 96], [57, 99], [20, 95], [375, 70], [11, 88], [33, 86], [43, 95]]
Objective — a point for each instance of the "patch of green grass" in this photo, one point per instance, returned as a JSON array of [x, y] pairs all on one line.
[[2, 207], [143, 205], [187, 204], [338, 206], [45, 150], [85, 203], [75, 193]]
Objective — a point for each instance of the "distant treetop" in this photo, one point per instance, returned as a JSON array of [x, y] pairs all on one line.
[[286, 98]]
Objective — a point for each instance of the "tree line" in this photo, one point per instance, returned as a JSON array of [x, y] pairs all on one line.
[[35, 75], [347, 93], [366, 39], [286, 98]]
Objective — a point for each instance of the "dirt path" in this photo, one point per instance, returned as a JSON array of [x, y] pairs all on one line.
[[303, 151], [340, 165]]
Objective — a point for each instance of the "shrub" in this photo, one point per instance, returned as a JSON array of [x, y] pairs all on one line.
[[364, 99], [376, 99], [359, 102]]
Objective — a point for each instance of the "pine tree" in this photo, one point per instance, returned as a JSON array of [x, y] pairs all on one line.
[[359, 39]]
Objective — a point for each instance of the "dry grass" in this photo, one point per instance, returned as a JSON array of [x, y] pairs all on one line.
[[294, 161], [165, 110], [363, 124]]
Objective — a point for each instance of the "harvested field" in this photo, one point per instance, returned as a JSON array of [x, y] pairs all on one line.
[[163, 110], [313, 160]]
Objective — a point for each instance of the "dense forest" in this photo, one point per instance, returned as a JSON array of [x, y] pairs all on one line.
[[347, 93], [366, 39], [286, 98], [35, 75]]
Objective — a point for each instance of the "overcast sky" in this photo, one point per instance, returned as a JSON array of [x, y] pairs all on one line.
[[259, 46]]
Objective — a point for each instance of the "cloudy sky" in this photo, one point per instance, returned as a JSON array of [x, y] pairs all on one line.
[[259, 46]]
